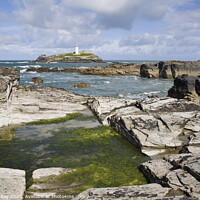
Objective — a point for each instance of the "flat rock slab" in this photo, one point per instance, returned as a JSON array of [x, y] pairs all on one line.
[[124, 193], [46, 186], [12, 184], [44, 173], [32, 103], [155, 125]]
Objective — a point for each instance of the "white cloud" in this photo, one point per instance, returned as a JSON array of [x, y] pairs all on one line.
[[48, 26], [139, 40]]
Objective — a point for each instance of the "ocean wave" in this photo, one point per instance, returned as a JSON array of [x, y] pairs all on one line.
[[149, 93], [32, 72], [23, 70]]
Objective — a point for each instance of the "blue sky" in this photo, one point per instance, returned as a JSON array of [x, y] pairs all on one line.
[[122, 29]]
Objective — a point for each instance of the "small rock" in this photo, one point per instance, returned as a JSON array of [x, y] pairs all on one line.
[[37, 80], [81, 85]]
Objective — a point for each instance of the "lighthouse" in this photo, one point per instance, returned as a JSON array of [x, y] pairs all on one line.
[[76, 50]]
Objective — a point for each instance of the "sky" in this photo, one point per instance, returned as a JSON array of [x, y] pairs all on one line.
[[112, 29]]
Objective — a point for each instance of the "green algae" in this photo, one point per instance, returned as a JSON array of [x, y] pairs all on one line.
[[57, 120], [101, 157]]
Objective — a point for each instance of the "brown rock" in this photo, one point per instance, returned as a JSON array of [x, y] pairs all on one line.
[[81, 85], [37, 80]]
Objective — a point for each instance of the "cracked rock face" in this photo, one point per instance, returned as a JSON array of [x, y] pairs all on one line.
[[148, 191], [179, 172], [155, 125]]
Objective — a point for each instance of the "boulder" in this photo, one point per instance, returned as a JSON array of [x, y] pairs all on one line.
[[148, 191], [149, 70], [81, 85], [12, 183], [186, 87], [37, 80]]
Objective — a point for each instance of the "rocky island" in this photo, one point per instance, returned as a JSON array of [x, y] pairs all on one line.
[[80, 57]]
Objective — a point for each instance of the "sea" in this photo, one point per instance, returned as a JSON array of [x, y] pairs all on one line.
[[133, 87]]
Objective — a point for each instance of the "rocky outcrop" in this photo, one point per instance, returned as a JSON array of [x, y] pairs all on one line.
[[179, 172], [81, 85], [12, 184], [149, 191], [155, 125], [83, 57], [170, 69], [9, 80], [186, 87], [31, 103], [149, 70]]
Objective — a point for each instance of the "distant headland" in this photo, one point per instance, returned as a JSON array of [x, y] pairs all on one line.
[[73, 57]]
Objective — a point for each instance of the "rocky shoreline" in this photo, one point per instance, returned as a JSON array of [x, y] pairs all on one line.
[[157, 126], [166, 70]]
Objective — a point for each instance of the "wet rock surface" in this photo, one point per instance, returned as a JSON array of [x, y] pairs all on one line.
[[47, 186]]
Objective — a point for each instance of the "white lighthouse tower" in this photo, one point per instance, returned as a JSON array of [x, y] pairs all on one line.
[[76, 50]]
